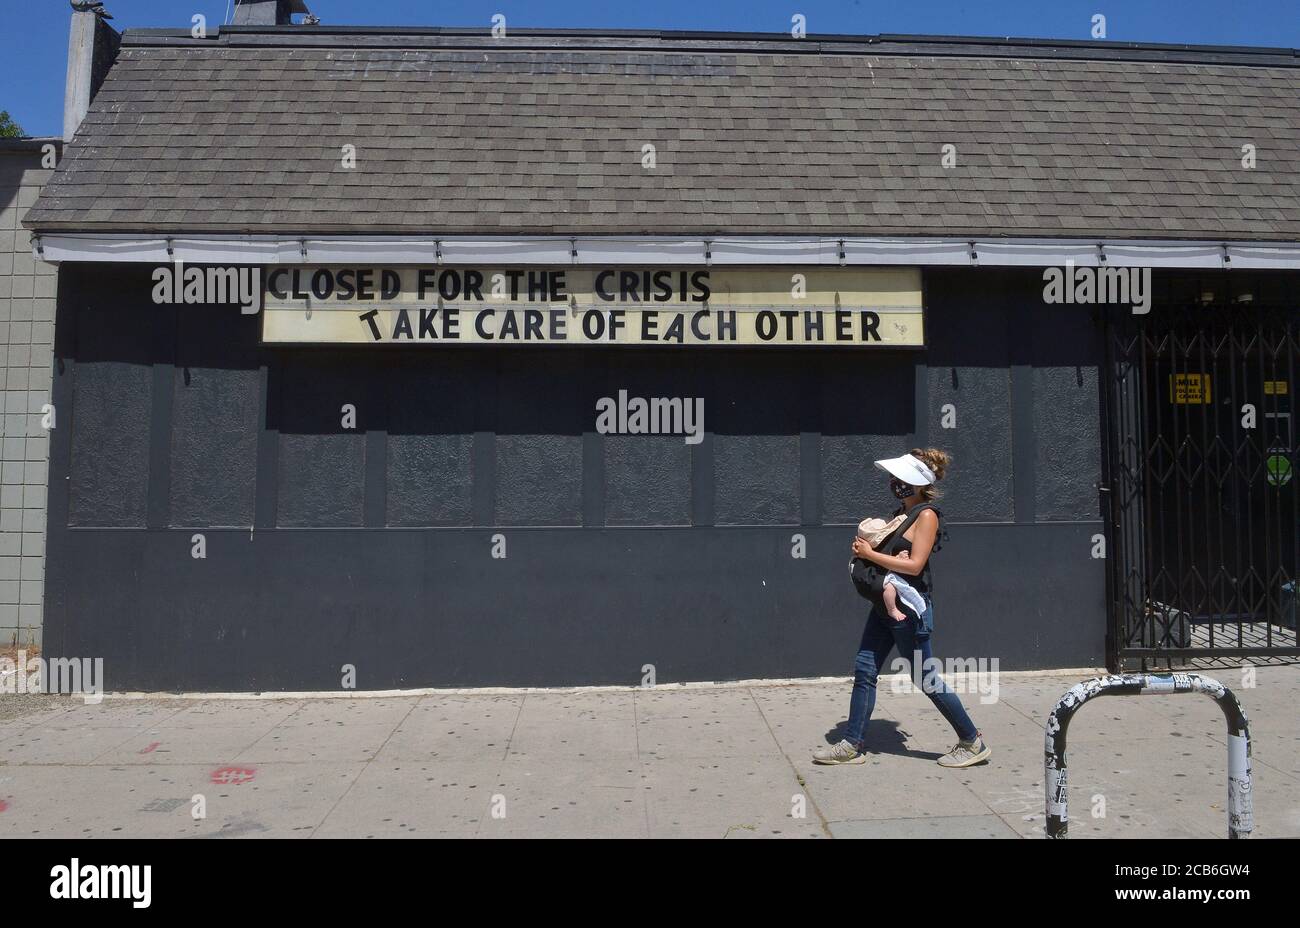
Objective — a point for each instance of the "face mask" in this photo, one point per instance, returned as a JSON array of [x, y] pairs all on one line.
[[901, 490]]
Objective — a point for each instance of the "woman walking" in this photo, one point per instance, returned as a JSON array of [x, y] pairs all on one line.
[[913, 477]]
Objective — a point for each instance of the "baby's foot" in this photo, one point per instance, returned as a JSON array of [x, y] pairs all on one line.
[[897, 614]]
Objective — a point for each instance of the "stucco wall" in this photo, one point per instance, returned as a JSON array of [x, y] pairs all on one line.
[[372, 546]]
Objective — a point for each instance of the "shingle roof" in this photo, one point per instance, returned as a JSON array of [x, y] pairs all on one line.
[[244, 133]]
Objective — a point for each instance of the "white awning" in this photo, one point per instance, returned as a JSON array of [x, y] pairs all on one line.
[[57, 247]]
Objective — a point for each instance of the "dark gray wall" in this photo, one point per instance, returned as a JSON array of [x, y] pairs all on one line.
[[372, 547]]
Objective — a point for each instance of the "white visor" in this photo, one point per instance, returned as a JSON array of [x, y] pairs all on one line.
[[908, 469]]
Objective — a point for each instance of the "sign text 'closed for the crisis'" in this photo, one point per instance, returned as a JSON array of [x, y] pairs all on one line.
[[830, 307]]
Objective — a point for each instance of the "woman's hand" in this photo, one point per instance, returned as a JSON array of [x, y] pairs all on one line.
[[862, 549]]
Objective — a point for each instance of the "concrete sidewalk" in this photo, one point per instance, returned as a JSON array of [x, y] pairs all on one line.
[[726, 761]]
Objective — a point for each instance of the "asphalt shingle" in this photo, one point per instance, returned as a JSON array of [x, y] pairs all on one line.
[[218, 137]]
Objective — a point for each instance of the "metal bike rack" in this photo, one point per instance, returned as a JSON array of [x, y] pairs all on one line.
[[1241, 818]]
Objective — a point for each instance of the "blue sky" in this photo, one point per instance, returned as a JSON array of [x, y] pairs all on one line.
[[33, 33]]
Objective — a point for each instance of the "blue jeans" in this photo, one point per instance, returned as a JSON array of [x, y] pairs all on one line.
[[912, 638]]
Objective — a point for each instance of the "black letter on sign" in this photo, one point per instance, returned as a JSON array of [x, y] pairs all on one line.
[[842, 322], [424, 280], [616, 322], [449, 285], [698, 319], [480, 328], [789, 316], [402, 329], [812, 325], [322, 285], [727, 325], [765, 324], [870, 322], [474, 285], [272, 287], [700, 281], [369, 319], [533, 324], [601, 292]]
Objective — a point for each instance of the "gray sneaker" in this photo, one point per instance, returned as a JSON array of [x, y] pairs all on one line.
[[842, 753], [966, 753]]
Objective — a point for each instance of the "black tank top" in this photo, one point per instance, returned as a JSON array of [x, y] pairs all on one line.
[[920, 583]]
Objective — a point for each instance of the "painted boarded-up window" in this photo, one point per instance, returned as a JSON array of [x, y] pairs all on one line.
[[216, 405], [324, 410], [112, 410]]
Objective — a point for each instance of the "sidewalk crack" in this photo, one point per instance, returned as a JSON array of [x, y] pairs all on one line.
[[803, 786]]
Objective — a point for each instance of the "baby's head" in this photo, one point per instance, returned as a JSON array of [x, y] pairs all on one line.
[[870, 527]]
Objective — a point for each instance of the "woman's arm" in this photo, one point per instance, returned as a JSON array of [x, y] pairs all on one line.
[[926, 529]]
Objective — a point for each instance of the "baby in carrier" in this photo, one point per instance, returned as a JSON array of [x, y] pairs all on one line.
[[896, 590]]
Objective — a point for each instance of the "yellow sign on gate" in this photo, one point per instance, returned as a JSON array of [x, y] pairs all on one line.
[[1189, 388]]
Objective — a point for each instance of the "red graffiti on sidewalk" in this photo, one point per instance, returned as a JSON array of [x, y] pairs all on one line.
[[150, 749], [232, 776], [3, 805]]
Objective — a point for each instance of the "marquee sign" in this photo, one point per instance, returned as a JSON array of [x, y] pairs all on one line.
[[815, 306]]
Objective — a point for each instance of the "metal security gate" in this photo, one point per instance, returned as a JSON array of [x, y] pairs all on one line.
[[1203, 506]]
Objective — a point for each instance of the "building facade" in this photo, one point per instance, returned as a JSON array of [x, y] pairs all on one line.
[[27, 297], [417, 458]]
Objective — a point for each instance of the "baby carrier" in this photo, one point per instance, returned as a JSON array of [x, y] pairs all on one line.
[[868, 578]]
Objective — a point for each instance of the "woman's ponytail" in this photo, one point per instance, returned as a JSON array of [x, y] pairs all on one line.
[[938, 461]]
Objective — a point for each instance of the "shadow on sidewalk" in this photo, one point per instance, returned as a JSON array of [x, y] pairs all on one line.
[[883, 737]]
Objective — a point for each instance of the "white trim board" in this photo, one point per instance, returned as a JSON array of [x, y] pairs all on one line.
[[1004, 676], [57, 247]]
